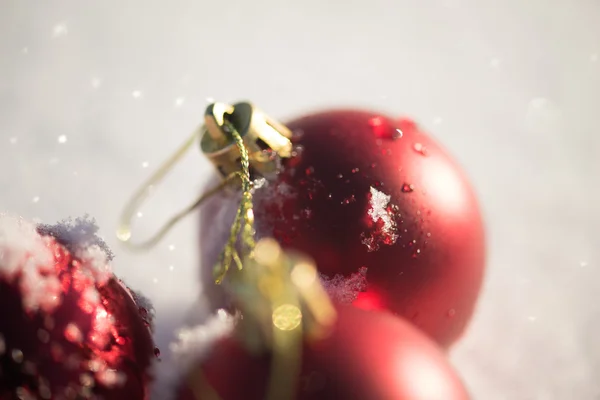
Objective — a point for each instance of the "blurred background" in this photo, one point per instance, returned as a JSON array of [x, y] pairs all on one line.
[[95, 94]]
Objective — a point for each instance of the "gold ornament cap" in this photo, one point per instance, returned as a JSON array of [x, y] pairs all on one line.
[[265, 139]]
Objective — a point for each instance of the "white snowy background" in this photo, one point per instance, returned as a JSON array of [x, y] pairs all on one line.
[[94, 94]]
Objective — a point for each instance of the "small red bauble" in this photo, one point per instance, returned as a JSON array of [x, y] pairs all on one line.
[[368, 191], [368, 355], [68, 328]]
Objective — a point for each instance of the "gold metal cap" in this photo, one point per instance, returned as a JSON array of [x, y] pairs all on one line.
[[264, 138]]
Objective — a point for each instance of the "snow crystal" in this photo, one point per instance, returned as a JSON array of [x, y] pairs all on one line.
[[75, 234], [383, 227], [345, 290], [193, 342], [191, 346]]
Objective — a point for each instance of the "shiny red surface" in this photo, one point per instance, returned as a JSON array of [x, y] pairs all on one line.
[[368, 356], [96, 347], [425, 257]]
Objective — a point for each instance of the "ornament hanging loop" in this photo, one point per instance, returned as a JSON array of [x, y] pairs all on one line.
[[264, 139]]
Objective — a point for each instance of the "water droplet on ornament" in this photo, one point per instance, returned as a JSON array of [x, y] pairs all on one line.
[[451, 312], [355, 170], [428, 234], [73, 333], [349, 200], [17, 356], [407, 188], [156, 352], [62, 139], [419, 148], [13, 140], [43, 335]]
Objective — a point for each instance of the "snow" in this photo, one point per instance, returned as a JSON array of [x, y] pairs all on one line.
[[535, 168]]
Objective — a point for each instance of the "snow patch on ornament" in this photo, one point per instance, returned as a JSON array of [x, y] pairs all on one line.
[[192, 345], [344, 290], [24, 254], [382, 225], [80, 237]]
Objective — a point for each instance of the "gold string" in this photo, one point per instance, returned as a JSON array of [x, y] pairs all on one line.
[[244, 219], [124, 232]]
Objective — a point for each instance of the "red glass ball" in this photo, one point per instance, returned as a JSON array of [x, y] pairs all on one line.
[[68, 329], [368, 355], [367, 190]]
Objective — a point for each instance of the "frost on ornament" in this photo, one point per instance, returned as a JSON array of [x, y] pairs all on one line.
[[64, 314], [382, 226], [193, 343], [344, 290]]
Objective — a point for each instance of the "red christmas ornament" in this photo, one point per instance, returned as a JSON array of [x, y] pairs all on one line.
[[68, 328], [366, 191], [369, 355]]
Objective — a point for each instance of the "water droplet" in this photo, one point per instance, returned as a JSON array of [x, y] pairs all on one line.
[[35, 199], [349, 200], [17, 356], [136, 94], [156, 352], [179, 101], [59, 30], [428, 234], [355, 170], [407, 188], [451, 312], [419, 148], [73, 333], [398, 134], [43, 335], [62, 139]]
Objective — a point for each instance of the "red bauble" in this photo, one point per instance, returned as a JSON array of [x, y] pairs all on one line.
[[68, 328], [366, 190], [369, 355]]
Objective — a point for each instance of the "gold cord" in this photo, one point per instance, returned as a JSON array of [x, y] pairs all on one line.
[[244, 218], [124, 232]]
